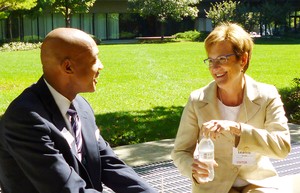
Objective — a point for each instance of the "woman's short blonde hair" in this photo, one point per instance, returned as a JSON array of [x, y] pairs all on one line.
[[234, 33]]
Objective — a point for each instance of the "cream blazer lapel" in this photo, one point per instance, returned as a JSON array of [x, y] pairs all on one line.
[[251, 104], [209, 108]]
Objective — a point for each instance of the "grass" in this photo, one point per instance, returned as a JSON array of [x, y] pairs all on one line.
[[143, 87]]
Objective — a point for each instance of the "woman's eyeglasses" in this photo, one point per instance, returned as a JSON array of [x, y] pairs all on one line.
[[219, 60]]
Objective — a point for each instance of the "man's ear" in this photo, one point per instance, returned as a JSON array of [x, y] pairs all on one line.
[[67, 66]]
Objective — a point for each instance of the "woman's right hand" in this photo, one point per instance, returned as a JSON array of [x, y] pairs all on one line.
[[200, 170]]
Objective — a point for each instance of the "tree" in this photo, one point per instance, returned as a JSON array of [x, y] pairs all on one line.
[[233, 11], [274, 14], [248, 16], [69, 7], [7, 7], [165, 9], [222, 11], [267, 13]]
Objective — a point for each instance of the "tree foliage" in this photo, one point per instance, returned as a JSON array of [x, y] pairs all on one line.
[[222, 11], [265, 13], [273, 13], [7, 6], [70, 7], [164, 9], [233, 11]]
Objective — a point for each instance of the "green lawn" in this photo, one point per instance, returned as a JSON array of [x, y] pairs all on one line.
[[143, 87]]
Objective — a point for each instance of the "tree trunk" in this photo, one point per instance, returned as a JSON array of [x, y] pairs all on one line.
[[21, 27], [162, 30], [10, 27], [68, 22], [67, 14]]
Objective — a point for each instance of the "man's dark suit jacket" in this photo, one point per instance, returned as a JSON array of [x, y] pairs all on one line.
[[35, 156]]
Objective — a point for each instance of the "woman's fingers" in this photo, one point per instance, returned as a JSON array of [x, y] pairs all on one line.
[[200, 170], [214, 127]]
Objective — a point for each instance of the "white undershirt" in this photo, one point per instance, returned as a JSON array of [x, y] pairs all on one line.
[[231, 113], [228, 112]]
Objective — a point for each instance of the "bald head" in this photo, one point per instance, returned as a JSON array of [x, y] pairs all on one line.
[[64, 43], [67, 54]]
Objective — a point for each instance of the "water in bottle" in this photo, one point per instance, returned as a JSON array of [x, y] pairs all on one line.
[[206, 155]]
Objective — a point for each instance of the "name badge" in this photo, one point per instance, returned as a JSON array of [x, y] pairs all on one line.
[[242, 157]]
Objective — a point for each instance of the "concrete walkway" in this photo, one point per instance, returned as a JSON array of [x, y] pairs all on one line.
[[157, 151]]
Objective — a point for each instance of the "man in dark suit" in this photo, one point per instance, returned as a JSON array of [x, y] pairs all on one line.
[[39, 152]]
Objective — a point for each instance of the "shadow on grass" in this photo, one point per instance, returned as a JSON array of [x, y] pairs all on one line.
[[131, 127]]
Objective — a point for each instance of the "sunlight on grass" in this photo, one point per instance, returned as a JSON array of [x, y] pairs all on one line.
[[142, 76]]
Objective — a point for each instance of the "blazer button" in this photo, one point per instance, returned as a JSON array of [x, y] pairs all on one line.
[[235, 169], [246, 148]]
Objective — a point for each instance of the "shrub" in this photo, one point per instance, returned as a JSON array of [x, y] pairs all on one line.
[[188, 35], [192, 35], [17, 46], [126, 35], [291, 100]]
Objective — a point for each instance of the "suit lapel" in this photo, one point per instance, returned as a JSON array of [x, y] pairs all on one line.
[[90, 152], [49, 104], [54, 116]]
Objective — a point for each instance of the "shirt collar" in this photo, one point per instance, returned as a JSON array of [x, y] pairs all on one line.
[[62, 102]]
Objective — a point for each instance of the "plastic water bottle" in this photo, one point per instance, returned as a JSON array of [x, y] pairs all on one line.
[[206, 155]]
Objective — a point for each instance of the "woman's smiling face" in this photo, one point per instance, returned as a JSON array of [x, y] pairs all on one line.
[[229, 73]]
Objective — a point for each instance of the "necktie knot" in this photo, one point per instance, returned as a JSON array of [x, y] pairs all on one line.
[[71, 111]]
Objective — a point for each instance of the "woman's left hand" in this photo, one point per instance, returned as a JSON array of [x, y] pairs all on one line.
[[214, 127]]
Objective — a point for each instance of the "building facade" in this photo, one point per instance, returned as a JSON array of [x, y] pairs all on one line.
[[109, 19], [102, 21]]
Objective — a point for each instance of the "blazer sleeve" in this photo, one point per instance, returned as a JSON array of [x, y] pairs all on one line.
[[186, 139], [117, 175]]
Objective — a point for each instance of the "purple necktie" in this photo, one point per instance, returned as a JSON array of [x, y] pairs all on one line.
[[76, 127]]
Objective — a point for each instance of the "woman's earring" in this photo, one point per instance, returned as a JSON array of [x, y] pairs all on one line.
[[242, 70]]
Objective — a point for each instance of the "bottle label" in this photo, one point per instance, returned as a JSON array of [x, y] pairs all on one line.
[[209, 155]]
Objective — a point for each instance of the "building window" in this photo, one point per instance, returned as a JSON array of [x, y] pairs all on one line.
[[113, 25]]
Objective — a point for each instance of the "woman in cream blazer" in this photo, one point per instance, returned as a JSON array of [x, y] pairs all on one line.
[[259, 127]]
